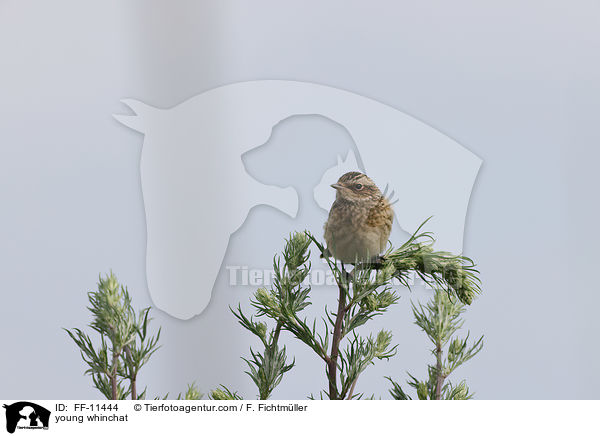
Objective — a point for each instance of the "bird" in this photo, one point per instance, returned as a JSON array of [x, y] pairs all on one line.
[[360, 220]]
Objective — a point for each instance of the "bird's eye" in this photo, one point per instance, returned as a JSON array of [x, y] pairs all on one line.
[[358, 186]]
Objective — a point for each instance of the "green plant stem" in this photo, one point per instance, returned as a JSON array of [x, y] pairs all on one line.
[[133, 388], [277, 331], [273, 347], [133, 373], [439, 372], [335, 343], [113, 376], [349, 397]]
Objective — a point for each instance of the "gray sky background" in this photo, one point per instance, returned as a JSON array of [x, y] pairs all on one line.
[[517, 84]]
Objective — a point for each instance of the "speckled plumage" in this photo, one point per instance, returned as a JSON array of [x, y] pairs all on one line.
[[360, 219]]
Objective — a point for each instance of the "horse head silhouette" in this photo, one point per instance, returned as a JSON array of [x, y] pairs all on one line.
[[197, 192]]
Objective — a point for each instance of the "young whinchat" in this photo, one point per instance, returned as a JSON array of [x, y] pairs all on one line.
[[360, 219]]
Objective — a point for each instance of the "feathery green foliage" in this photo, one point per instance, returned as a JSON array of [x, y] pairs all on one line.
[[440, 320], [439, 269], [192, 393], [223, 393], [124, 345], [364, 293]]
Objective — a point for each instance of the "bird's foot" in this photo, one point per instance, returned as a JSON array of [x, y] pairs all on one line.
[[374, 263]]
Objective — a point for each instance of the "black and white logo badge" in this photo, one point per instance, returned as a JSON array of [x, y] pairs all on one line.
[[26, 415]]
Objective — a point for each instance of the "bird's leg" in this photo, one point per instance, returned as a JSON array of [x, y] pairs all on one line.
[[378, 261], [375, 263]]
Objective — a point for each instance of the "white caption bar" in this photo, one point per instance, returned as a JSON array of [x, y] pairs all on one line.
[[296, 417]]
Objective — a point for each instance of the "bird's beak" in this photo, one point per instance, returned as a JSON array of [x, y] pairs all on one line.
[[336, 186]]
